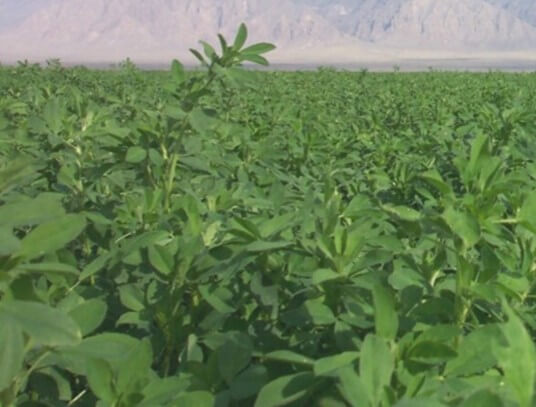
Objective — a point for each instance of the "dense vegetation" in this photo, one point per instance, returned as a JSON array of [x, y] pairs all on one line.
[[231, 238]]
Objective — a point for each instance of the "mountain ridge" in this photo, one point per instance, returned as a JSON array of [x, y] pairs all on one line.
[[115, 29]]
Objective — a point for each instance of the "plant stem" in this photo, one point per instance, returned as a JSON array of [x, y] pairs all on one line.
[[169, 181]]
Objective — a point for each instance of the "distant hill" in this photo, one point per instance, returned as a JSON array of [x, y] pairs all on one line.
[[111, 30], [447, 24], [524, 9]]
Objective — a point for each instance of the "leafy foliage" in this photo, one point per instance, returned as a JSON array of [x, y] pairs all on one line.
[[225, 237]]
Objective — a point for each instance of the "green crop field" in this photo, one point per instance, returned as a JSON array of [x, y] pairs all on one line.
[[224, 237]]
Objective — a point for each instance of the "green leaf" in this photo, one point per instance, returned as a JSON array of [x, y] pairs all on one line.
[[134, 367], [441, 333], [30, 212], [95, 266], [89, 315], [257, 49], [51, 383], [247, 227], [518, 358], [10, 244], [59, 269], [483, 398], [324, 275], [161, 259], [268, 295], [403, 277], [257, 59], [177, 72], [433, 177], [479, 150], [111, 347], [403, 212], [16, 172], [464, 225], [431, 352], [528, 209], [53, 114], [163, 391], [208, 50], [262, 246], [195, 398], [289, 357], [100, 379], [420, 402], [312, 311], [46, 325], [217, 303], [285, 389], [223, 44], [385, 315], [143, 240], [319, 313], [241, 37], [376, 367], [328, 365], [202, 121], [51, 236], [277, 224], [352, 387], [135, 155], [249, 382], [199, 56], [132, 297], [475, 352], [234, 355], [131, 318], [11, 352]]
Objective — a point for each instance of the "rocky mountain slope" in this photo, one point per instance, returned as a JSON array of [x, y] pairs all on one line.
[[113, 29], [524, 9], [474, 24]]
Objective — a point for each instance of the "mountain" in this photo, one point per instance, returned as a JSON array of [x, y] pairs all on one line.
[[524, 9], [474, 24], [111, 30], [173, 21], [156, 27], [454, 24], [13, 12]]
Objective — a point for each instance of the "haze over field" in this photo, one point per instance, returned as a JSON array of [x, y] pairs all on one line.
[[328, 31]]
